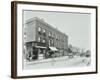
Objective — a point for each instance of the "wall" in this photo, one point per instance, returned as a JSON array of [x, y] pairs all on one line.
[[30, 30], [5, 41]]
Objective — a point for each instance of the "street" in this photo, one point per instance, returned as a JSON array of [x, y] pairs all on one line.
[[61, 63]]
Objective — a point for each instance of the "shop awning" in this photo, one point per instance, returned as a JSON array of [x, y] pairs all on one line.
[[53, 48]]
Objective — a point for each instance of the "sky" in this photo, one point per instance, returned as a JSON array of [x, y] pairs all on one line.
[[76, 25]]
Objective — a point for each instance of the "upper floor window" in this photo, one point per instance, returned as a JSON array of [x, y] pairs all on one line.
[[60, 38], [50, 34], [44, 30], [53, 42], [44, 40], [49, 42], [39, 29], [53, 35], [57, 43], [24, 32], [39, 39], [56, 37], [25, 36]]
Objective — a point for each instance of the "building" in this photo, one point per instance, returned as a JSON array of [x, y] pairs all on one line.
[[41, 39]]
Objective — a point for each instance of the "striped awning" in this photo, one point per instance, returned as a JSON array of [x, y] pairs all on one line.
[[40, 47], [53, 48]]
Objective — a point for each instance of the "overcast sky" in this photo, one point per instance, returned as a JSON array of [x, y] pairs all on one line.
[[75, 25]]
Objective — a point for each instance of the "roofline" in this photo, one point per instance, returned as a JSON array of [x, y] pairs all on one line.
[[42, 21]]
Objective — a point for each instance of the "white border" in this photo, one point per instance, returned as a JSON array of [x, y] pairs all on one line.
[[21, 72]]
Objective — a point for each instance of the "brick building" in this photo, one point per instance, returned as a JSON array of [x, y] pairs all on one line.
[[40, 38]]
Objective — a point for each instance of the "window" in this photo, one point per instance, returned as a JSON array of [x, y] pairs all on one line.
[[56, 37], [52, 41], [24, 32], [60, 38], [63, 40], [53, 35], [44, 40], [49, 34], [44, 30], [49, 42], [39, 29], [39, 39], [56, 43], [25, 37]]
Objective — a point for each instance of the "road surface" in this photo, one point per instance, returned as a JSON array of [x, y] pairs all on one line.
[[62, 63]]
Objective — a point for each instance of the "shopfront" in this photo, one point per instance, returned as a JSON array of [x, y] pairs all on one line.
[[35, 52]]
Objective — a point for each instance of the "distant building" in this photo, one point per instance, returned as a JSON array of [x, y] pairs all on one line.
[[42, 38]]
